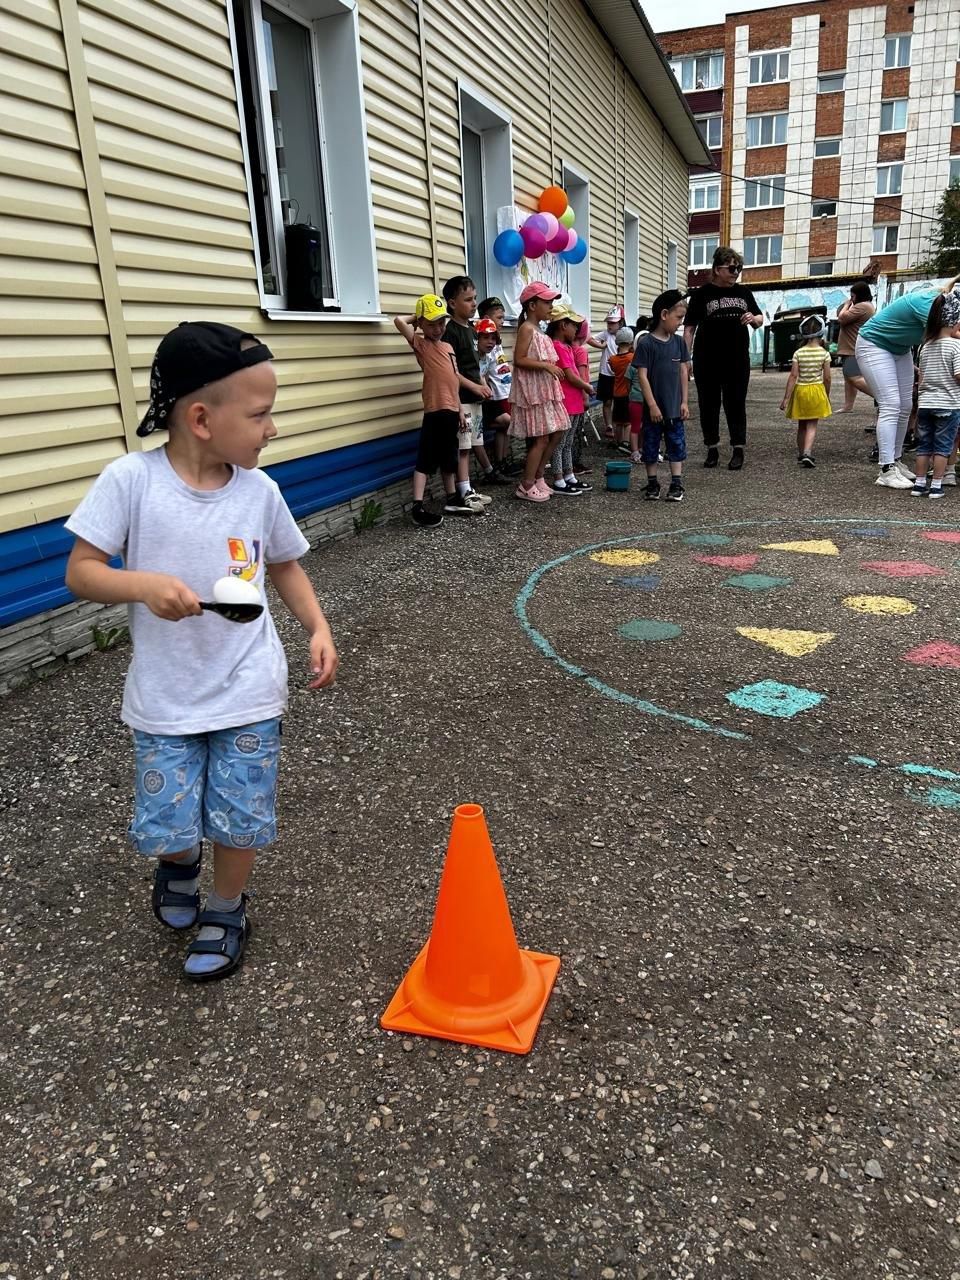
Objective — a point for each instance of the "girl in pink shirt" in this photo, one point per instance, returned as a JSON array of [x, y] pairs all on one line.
[[563, 328]]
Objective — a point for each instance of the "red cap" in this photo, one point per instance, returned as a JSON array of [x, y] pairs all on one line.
[[486, 325], [537, 289]]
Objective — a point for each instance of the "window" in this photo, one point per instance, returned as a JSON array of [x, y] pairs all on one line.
[[954, 178], [487, 175], [705, 71], [702, 249], [956, 108], [763, 193], [896, 52], [704, 194], [886, 239], [309, 190], [631, 263], [671, 264], [577, 187], [893, 115], [826, 147], [766, 131], [769, 68], [821, 267], [711, 130], [762, 251], [823, 209], [832, 83], [889, 179]]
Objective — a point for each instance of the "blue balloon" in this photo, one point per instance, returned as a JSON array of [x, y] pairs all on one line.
[[508, 248], [575, 255]]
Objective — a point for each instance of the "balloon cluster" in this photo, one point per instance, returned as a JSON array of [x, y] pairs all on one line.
[[550, 230]]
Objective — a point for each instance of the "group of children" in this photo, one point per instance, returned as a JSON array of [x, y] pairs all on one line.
[[474, 395], [937, 396]]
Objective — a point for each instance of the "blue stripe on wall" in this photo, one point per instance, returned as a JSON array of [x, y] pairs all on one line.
[[33, 560]]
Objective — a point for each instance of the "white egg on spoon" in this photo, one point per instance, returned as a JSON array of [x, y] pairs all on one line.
[[231, 590]]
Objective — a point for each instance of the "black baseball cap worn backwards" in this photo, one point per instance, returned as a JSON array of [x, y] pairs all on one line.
[[191, 356]]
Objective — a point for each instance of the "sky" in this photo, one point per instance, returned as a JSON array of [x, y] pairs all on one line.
[[668, 15]]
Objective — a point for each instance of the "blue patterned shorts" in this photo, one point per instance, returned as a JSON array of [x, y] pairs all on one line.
[[219, 786]]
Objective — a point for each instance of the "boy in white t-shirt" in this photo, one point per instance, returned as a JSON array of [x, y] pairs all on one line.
[[496, 373], [607, 346], [203, 695]]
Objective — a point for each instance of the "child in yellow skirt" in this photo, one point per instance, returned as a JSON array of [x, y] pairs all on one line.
[[807, 397]]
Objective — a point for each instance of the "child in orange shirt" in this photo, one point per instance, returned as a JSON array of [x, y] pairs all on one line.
[[619, 364]]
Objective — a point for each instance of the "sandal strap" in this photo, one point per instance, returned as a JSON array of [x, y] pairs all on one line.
[[223, 919], [164, 872]]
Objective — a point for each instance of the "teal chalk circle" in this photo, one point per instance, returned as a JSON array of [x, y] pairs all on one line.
[[757, 582], [771, 698], [943, 797], [649, 629]]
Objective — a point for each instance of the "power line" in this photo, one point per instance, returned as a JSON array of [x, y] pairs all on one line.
[[739, 177]]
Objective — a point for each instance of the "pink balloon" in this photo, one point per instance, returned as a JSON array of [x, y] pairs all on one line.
[[572, 240], [534, 241], [552, 227], [558, 242]]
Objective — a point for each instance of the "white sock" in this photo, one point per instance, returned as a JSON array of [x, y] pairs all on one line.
[[559, 484], [571, 478], [936, 484], [463, 487]]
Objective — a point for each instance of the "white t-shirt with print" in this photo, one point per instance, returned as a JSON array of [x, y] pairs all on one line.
[[939, 365], [495, 369], [609, 341], [201, 673]]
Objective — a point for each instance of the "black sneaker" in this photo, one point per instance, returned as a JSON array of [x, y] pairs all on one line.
[[675, 492], [806, 460], [624, 448], [567, 490], [713, 457], [652, 491], [580, 485], [455, 504], [424, 519], [494, 477]]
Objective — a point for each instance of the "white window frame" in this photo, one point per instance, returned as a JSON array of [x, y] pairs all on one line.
[[762, 118], [895, 44], [677, 66], [881, 232], [344, 164], [773, 183], [707, 120], [631, 263], [576, 183], [888, 169], [832, 75], [705, 184], [751, 249], [820, 262], [824, 148], [782, 68], [894, 103], [483, 115], [710, 244]]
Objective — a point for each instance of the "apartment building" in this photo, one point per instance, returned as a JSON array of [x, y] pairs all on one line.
[[834, 128]]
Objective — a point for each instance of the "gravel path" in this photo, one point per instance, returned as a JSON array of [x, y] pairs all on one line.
[[748, 1067]]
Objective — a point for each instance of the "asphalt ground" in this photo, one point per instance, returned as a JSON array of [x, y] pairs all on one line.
[[748, 1066]]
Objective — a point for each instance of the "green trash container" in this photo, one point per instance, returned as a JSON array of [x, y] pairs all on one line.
[[786, 335]]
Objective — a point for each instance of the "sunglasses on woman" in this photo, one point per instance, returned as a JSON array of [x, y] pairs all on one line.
[[732, 266]]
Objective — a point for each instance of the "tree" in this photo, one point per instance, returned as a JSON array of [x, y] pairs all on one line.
[[944, 257]]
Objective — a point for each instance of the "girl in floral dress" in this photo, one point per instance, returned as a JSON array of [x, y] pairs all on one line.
[[538, 409]]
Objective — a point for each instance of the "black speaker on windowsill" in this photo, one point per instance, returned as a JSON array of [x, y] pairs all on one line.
[[305, 268]]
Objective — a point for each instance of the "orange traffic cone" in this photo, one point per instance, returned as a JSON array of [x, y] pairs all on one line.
[[471, 982]]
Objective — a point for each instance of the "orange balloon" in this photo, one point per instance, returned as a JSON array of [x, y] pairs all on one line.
[[553, 200]]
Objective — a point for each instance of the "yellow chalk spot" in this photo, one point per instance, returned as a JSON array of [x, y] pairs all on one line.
[[816, 547], [880, 604], [795, 644], [624, 557]]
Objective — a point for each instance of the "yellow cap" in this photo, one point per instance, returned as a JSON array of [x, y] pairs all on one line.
[[430, 307], [563, 311]]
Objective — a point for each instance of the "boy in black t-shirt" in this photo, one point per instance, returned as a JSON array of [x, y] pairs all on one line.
[[460, 295]]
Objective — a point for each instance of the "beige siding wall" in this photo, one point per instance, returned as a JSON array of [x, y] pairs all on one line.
[[123, 209]]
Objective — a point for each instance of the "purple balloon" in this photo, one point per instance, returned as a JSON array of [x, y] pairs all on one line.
[[558, 242], [552, 227], [534, 241], [538, 222]]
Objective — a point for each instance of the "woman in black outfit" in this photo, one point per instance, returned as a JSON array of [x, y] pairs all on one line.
[[720, 312]]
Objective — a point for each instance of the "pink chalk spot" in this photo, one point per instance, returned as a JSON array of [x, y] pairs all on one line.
[[729, 562], [902, 568], [938, 653], [943, 535]]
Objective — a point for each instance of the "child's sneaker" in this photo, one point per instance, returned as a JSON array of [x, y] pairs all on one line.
[[675, 492], [806, 460], [950, 478], [652, 491], [455, 504], [478, 500], [424, 519], [569, 490], [919, 490], [936, 493]]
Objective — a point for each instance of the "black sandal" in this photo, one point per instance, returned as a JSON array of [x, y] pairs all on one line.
[[164, 873], [236, 933]]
